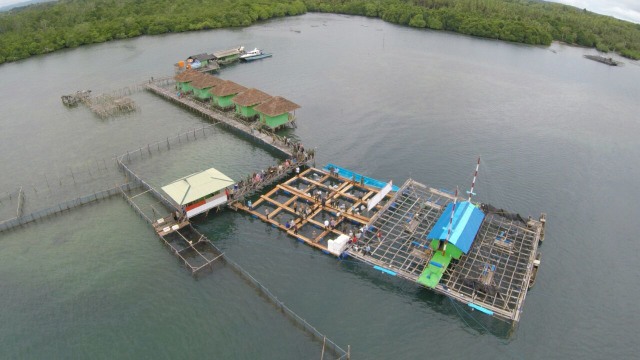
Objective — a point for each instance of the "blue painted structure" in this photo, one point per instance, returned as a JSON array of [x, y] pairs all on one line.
[[466, 223], [481, 309], [346, 173], [386, 271]]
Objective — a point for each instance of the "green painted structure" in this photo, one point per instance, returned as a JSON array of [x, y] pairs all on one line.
[[184, 80], [223, 94], [202, 86], [276, 112], [228, 56], [431, 275], [246, 101]]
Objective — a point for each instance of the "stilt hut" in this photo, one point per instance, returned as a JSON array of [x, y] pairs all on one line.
[[184, 79], [200, 192], [247, 100], [222, 94], [276, 112], [202, 86]]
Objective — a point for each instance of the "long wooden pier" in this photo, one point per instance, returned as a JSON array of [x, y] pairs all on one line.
[[242, 128]]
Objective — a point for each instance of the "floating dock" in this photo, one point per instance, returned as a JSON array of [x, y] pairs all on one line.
[[321, 209], [492, 277], [490, 259]]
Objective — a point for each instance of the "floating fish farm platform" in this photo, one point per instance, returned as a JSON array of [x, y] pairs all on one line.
[[320, 208], [490, 259], [473, 253]]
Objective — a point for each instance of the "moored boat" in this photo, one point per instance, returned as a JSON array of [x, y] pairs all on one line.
[[254, 54]]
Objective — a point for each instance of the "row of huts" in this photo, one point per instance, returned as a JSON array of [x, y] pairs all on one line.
[[271, 111]]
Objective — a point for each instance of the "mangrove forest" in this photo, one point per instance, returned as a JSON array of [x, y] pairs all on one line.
[[46, 27]]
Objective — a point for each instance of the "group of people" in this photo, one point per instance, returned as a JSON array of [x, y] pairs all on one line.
[[254, 180]]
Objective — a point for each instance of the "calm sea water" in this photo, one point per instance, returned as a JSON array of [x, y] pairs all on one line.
[[557, 134]]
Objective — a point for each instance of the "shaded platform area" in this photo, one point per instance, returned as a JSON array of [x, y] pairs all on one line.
[[492, 276], [324, 210]]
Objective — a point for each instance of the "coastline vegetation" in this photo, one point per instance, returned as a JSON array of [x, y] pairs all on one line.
[[47, 27]]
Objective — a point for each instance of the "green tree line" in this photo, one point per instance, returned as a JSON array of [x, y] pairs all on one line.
[[43, 28], [523, 21]]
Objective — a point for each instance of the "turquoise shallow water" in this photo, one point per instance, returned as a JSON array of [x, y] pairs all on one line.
[[556, 132]]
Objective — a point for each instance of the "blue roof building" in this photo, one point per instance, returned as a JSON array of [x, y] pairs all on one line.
[[464, 228]]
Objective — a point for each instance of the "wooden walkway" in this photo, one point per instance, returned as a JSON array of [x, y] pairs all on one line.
[[296, 208], [270, 140]]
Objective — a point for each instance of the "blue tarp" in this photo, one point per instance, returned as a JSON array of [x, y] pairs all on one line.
[[466, 223], [346, 173]]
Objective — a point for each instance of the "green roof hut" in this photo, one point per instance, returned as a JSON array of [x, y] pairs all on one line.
[[276, 112], [184, 79], [222, 94], [228, 56], [202, 86], [247, 100]]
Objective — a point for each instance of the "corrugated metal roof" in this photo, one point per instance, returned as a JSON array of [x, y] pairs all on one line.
[[466, 223], [202, 57], [197, 186], [225, 53]]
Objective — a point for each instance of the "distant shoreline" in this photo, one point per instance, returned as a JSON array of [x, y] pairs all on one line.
[[45, 27]]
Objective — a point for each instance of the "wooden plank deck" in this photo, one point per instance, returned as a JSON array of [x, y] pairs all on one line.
[[316, 206]]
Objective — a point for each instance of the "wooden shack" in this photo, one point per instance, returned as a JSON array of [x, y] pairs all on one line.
[[222, 94], [276, 112], [202, 86], [247, 100]]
